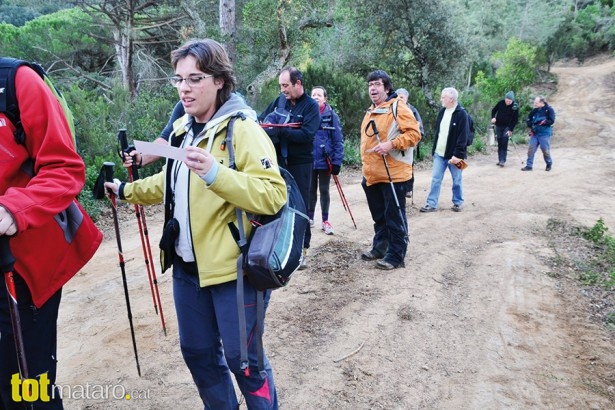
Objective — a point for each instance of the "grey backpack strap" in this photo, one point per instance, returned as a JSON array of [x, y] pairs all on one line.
[[244, 362]]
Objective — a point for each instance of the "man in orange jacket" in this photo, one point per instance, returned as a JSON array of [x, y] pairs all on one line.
[[387, 168]]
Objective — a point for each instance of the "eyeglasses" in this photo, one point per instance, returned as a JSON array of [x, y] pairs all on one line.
[[375, 84], [191, 81]]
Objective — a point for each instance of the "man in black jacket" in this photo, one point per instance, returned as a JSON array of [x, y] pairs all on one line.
[[294, 144], [504, 116], [449, 148]]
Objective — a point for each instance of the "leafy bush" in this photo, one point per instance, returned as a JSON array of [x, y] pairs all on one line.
[[603, 272], [352, 152], [98, 118], [584, 33], [347, 94], [515, 68]]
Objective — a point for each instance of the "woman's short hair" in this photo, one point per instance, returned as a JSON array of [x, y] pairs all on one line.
[[211, 58]]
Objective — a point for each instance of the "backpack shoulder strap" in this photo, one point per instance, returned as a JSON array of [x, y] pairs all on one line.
[[8, 94], [228, 140], [281, 102], [240, 237]]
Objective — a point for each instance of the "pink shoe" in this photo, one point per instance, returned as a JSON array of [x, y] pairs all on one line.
[[326, 226]]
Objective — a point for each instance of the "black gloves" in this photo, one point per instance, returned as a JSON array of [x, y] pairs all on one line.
[[335, 170], [274, 134]]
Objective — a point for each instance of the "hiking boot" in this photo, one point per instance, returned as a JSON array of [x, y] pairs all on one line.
[[456, 208], [427, 208], [526, 168], [303, 264], [548, 168], [327, 228], [370, 256], [384, 265]]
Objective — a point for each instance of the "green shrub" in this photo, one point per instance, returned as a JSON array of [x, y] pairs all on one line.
[[352, 152], [610, 320], [603, 267]]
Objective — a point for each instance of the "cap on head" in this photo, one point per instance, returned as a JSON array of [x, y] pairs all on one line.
[[510, 96]]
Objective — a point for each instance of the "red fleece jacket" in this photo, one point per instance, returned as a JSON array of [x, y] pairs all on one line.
[[38, 183]]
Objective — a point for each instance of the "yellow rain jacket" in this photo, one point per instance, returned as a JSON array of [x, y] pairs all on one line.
[[256, 187]]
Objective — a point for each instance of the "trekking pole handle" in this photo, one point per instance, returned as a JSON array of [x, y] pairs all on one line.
[[108, 171], [372, 124], [123, 140], [7, 260], [126, 149]]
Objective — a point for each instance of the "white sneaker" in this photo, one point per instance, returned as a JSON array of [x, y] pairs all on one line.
[[326, 226], [304, 264]]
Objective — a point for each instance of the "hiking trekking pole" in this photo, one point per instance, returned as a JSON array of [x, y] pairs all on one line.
[[372, 123], [338, 185], [133, 175], [7, 260], [107, 169], [285, 125]]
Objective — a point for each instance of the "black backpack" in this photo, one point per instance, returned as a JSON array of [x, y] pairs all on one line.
[[271, 254], [275, 247], [8, 95], [471, 133]]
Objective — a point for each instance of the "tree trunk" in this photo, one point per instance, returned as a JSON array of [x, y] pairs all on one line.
[[228, 27], [123, 50]]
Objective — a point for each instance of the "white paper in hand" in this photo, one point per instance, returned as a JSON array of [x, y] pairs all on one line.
[[160, 150]]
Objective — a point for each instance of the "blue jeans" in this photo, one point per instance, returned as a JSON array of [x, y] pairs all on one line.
[[542, 141], [390, 231], [440, 165], [39, 329], [208, 320]]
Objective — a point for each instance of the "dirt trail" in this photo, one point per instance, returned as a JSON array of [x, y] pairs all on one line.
[[475, 320]]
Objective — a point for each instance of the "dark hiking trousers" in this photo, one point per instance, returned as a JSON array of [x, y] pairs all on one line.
[[209, 340], [303, 176], [389, 234], [500, 133], [39, 329], [321, 180]]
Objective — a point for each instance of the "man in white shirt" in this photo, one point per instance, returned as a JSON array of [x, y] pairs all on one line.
[[449, 148]]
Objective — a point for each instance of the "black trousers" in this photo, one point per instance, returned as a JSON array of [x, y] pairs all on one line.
[[303, 176], [39, 329], [390, 235]]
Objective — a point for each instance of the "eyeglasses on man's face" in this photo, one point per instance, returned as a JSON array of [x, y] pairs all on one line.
[[375, 84], [191, 81]]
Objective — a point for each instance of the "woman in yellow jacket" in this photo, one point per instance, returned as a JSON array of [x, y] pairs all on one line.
[[387, 167], [201, 194]]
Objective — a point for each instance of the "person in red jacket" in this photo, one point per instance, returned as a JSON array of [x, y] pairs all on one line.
[[51, 238]]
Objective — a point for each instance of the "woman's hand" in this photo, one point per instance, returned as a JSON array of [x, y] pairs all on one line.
[[198, 160]]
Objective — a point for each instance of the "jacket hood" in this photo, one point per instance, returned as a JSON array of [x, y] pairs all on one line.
[[232, 106]]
